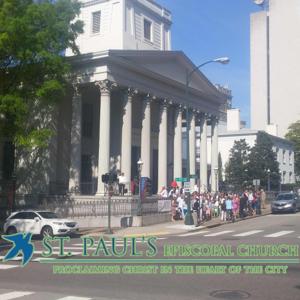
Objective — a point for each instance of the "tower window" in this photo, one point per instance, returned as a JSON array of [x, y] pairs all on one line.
[[147, 30], [96, 19]]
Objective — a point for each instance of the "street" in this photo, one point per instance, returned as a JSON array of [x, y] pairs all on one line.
[[37, 281]]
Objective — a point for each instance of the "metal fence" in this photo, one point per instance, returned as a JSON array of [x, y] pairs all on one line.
[[69, 206]]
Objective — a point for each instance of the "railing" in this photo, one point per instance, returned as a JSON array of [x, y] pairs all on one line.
[[68, 206]]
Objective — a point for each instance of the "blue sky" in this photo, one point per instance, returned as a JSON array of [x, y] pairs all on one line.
[[206, 29]]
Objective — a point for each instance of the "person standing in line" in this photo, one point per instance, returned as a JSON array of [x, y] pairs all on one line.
[[122, 181], [174, 209], [223, 209], [180, 202], [235, 205], [228, 205], [163, 192]]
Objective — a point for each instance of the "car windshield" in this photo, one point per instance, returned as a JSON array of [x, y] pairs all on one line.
[[48, 215], [285, 197]]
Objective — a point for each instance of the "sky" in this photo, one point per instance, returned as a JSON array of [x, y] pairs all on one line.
[[207, 29]]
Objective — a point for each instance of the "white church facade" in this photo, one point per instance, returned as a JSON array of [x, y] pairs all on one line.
[[129, 102]]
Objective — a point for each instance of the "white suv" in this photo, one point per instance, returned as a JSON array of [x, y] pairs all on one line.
[[38, 222]]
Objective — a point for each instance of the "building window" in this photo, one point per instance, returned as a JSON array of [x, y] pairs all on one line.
[[291, 177], [290, 158], [96, 19], [87, 120], [147, 30], [284, 157]]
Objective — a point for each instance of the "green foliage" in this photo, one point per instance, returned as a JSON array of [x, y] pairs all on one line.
[[33, 71], [236, 168], [261, 159], [293, 135]]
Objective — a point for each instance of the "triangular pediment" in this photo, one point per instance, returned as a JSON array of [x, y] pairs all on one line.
[[173, 65]]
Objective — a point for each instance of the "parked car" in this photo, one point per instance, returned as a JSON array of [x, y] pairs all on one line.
[[286, 202], [39, 222]]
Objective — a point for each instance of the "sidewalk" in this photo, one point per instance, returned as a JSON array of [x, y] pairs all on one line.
[[176, 227]]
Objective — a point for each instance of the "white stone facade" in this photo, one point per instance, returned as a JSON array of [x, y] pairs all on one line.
[[284, 66], [121, 24], [283, 149]]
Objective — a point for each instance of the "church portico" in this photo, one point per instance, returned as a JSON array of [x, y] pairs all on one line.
[[135, 113]]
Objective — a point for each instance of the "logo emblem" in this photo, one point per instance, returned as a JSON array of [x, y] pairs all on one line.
[[21, 244]]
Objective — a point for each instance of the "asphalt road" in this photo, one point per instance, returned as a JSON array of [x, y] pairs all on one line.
[[37, 281]]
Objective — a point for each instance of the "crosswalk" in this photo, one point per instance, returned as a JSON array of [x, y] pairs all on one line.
[[278, 234], [29, 295], [248, 233], [233, 233]]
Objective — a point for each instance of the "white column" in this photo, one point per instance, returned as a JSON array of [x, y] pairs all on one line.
[[162, 147], [146, 138], [214, 155], [104, 133], [192, 148], [127, 136], [178, 144], [75, 161], [203, 154]]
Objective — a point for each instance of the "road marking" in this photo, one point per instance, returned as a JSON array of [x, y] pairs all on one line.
[[74, 298], [57, 252], [38, 259], [14, 295], [248, 233], [219, 233], [183, 227], [280, 233], [6, 267], [15, 258], [193, 233]]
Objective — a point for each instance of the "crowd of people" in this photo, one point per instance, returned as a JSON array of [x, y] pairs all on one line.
[[205, 206]]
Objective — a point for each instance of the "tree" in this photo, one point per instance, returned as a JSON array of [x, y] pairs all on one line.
[[293, 135], [263, 162], [33, 70], [236, 168]]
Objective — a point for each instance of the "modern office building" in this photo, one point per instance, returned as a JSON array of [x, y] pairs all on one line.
[[275, 65]]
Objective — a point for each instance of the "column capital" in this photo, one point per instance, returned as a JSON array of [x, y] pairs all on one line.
[[165, 103], [131, 91], [179, 107], [105, 86], [77, 89], [149, 98], [214, 119], [203, 115]]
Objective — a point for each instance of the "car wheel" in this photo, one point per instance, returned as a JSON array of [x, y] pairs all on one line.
[[11, 230], [47, 231]]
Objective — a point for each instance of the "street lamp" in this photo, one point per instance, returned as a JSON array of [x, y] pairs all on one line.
[[140, 165], [188, 220], [216, 170], [269, 181]]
